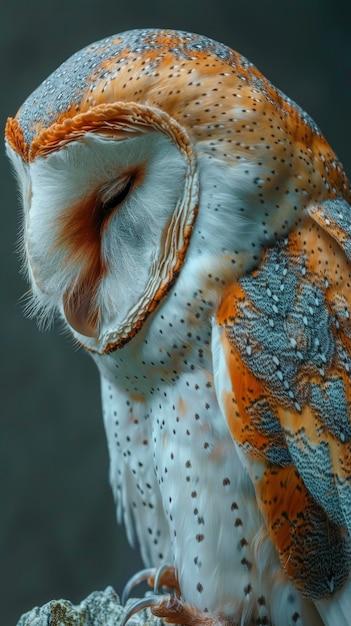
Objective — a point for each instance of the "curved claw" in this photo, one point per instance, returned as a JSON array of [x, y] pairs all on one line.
[[139, 605], [159, 573], [135, 580]]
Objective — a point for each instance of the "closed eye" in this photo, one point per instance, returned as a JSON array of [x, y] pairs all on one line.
[[117, 198]]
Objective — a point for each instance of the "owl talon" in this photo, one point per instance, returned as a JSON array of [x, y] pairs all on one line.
[[139, 577], [172, 610], [139, 605], [163, 577]]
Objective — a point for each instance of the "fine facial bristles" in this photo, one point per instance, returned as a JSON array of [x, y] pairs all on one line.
[[43, 312]]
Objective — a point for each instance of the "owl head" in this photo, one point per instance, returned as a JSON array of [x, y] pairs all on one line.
[[147, 153]]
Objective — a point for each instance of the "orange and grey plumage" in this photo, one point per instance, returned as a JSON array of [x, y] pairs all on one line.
[[192, 227]]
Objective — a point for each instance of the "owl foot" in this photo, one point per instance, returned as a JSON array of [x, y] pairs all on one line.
[[174, 611], [163, 577]]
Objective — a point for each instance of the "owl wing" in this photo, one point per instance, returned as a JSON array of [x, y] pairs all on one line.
[[282, 362]]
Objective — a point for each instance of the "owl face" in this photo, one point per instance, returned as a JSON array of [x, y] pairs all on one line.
[[147, 151], [118, 211]]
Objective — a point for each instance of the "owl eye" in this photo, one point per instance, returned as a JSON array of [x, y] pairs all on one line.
[[116, 199]]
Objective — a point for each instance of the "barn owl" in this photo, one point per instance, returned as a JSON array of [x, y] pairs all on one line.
[[191, 226]]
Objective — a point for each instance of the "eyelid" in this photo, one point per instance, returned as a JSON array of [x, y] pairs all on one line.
[[115, 194], [111, 190]]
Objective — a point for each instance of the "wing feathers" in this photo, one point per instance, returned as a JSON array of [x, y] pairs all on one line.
[[334, 216], [286, 344]]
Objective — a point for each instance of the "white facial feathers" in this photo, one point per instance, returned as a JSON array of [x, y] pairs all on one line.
[[81, 248]]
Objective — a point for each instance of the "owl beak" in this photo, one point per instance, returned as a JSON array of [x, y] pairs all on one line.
[[80, 314]]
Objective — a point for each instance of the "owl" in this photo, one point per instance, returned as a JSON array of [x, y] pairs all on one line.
[[191, 226]]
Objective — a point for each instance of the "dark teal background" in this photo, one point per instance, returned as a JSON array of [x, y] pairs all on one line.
[[58, 535]]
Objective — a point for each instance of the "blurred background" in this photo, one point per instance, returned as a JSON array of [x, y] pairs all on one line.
[[58, 534]]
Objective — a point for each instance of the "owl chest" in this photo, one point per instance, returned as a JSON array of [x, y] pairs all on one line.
[[207, 498], [179, 474], [175, 470]]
